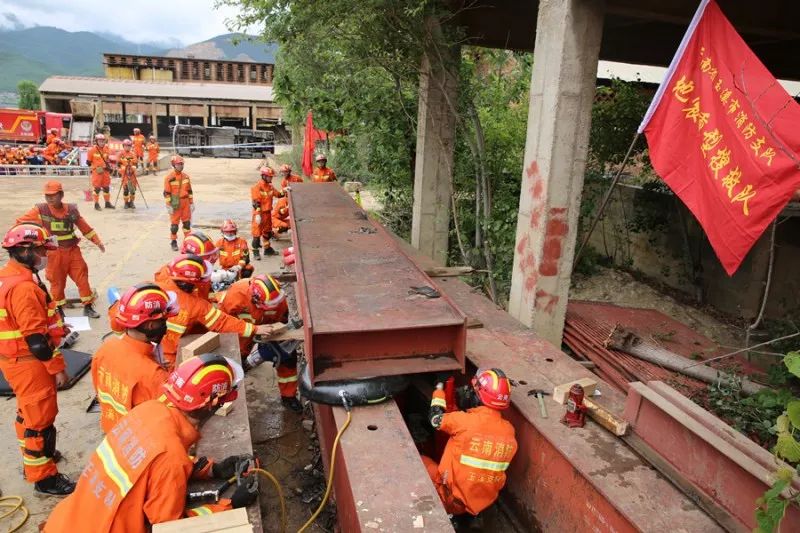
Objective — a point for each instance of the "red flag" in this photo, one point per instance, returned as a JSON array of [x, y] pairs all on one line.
[[723, 135], [310, 138]]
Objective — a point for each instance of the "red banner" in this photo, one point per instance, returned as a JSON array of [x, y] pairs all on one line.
[[724, 135], [310, 138]]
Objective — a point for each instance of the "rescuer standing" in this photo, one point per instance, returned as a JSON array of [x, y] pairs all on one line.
[[31, 329], [261, 195], [322, 173], [61, 220], [138, 145], [97, 159], [128, 161], [153, 149], [138, 475], [472, 470], [178, 196], [288, 177]]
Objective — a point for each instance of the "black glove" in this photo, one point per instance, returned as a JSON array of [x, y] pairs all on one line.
[[226, 468], [244, 495]]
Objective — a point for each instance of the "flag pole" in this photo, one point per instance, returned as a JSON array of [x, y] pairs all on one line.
[[606, 198]]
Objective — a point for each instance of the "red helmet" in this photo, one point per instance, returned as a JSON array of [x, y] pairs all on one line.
[[176, 160], [30, 235], [493, 388], [267, 172], [205, 380], [198, 243], [321, 157], [229, 226], [190, 268], [144, 302], [265, 292], [99, 137], [286, 168], [127, 142]]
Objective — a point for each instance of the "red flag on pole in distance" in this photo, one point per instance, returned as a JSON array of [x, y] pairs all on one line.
[[724, 135], [310, 138]]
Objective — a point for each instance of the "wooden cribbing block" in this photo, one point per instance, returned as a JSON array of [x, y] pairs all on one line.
[[561, 392], [605, 418], [206, 343], [233, 521]]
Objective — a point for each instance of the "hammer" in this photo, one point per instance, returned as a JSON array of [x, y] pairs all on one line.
[[540, 394]]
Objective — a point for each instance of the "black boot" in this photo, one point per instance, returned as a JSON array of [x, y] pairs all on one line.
[[55, 485], [96, 206], [290, 402], [109, 205], [257, 254], [89, 311], [132, 205], [174, 245], [126, 206], [269, 251]]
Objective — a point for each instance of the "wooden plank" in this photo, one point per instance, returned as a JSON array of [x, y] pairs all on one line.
[[225, 521], [203, 344], [228, 435]]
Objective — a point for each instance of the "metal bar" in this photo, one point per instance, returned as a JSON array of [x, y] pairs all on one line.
[[358, 293]]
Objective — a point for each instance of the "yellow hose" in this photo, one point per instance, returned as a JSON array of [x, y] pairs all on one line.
[[280, 495], [6, 502], [330, 476]]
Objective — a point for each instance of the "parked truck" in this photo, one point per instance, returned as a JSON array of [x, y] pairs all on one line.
[[26, 126]]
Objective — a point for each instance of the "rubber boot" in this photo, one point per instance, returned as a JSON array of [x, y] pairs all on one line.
[[133, 206], [97, 206], [269, 251], [174, 245], [109, 205], [290, 402], [55, 485], [257, 254], [89, 311]]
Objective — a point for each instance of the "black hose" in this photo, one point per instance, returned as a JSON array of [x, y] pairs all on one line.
[[358, 392]]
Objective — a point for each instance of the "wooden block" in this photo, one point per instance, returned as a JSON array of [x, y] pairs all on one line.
[[203, 344], [560, 392], [288, 335], [444, 272], [287, 276], [223, 411], [606, 418], [228, 521]]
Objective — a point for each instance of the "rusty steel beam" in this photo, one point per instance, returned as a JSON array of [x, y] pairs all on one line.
[[380, 482], [726, 466], [356, 295]]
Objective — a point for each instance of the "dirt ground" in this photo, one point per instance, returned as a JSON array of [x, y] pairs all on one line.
[[618, 287], [137, 243]]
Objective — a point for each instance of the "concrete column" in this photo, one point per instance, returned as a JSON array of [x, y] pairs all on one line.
[[433, 173], [568, 34], [206, 115], [154, 118], [253, 117]]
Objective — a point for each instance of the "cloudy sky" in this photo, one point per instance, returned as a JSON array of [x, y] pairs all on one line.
[[187, 21]]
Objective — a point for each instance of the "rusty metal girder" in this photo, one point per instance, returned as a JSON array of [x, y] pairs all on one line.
[[355, 294]]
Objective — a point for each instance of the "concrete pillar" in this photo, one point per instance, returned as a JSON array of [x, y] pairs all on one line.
[[253, 117], [154, 118], [568, 34], [433, 173], [206, 114]]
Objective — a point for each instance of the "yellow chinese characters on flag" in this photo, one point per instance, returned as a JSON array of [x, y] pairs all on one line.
[[723, 135]]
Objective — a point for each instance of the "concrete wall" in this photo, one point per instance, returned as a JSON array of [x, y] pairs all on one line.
[[658, 249]]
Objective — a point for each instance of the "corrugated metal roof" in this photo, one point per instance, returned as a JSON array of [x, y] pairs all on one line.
[[155, 89]]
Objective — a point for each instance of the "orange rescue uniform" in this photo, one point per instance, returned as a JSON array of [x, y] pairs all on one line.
[[138, 145], [51, 151], [196, 311], [97, 159], [292, 178], [322, 175], [235, 252], [25, 309], [127, 170], [136, 477], [153, 149], [203, 291], [236, 301], [178, 196], [124, 374], [280, 215], [471, 472], [67, 260], [261, 195]]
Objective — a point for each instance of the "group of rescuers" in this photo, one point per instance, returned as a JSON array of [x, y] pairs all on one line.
[[152, 409]]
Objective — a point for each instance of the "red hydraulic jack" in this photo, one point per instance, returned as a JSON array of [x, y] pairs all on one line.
[[575, 417]]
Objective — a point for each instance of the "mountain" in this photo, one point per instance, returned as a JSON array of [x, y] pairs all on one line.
[[37, 52], [53, 51], [233, 46]]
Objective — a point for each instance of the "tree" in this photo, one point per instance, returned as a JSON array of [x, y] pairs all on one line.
[[28, 95]]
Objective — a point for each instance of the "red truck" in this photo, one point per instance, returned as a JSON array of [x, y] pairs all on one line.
[[22, 125]]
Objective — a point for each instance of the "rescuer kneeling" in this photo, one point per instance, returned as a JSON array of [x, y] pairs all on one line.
[[471, 472]]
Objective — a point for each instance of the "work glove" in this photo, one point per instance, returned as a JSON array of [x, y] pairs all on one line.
[[226, 468], [244, 495], [258, 219]]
